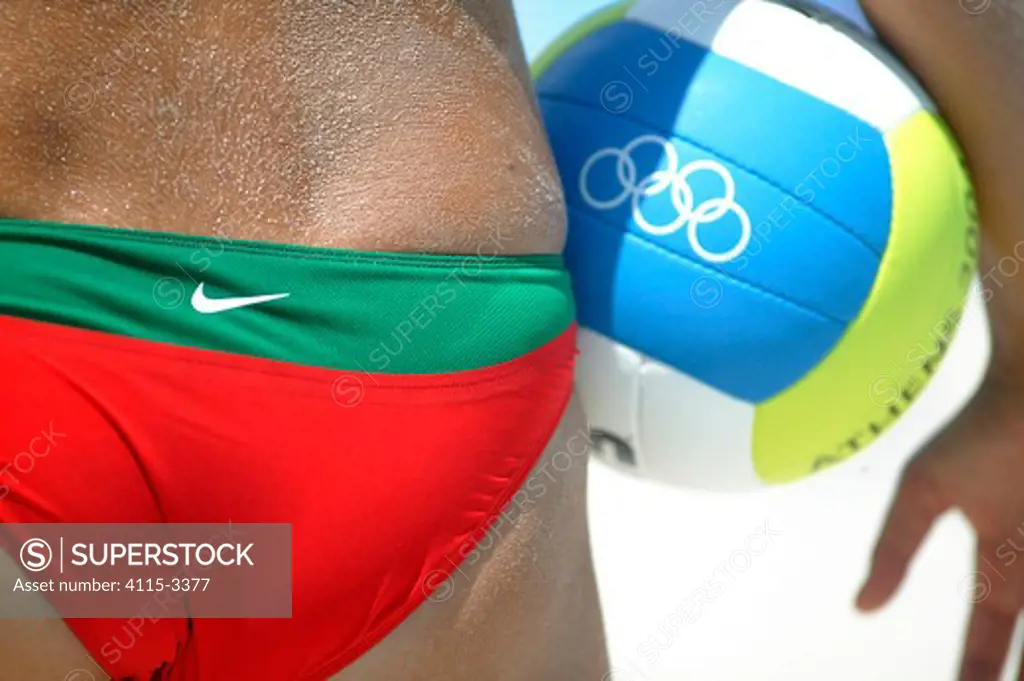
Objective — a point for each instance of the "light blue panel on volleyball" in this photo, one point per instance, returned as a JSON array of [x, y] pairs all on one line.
[[541, 21], [849, 10], [789, 250], [790, 139], [740, 340]]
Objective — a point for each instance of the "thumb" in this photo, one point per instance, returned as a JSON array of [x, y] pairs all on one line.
[[917, 506]]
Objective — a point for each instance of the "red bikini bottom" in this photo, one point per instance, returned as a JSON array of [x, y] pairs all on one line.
[[386, 479]]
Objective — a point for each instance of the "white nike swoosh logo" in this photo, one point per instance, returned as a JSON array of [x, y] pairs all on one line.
[[204, 305]]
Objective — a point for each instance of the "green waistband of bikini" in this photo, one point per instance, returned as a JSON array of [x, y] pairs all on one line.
[[408, 313]]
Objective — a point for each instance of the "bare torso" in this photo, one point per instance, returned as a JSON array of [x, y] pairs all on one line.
[[372, 124]]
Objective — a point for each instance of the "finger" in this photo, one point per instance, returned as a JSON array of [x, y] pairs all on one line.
[[988, 639], [1020, 667], [910, 518]]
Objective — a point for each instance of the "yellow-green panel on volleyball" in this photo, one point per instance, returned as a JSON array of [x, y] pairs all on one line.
[[891, 350], [771, 235]]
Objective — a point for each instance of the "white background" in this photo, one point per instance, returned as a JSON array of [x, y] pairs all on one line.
[[787, 613]]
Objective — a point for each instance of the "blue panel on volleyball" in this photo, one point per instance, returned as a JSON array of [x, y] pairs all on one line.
[[733, 337], [787, 242], [737, 114]]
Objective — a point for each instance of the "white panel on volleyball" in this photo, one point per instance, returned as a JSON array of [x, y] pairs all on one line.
[[833, 63], [608, 382], [692, 434]]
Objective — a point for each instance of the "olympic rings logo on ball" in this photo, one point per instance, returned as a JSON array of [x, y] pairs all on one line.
[[674, 179]]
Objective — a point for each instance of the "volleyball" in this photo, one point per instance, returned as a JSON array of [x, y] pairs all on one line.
[[771, 235]]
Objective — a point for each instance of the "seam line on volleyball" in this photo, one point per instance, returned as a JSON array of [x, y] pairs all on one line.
[[729, 277]]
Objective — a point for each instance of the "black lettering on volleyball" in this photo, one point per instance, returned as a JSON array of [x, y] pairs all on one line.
[[614, 447]]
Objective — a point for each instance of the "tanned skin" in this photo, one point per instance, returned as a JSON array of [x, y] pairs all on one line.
[[970, 55], [396, 125]]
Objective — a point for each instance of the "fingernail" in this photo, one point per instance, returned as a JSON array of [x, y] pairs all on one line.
[[863, 602]]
